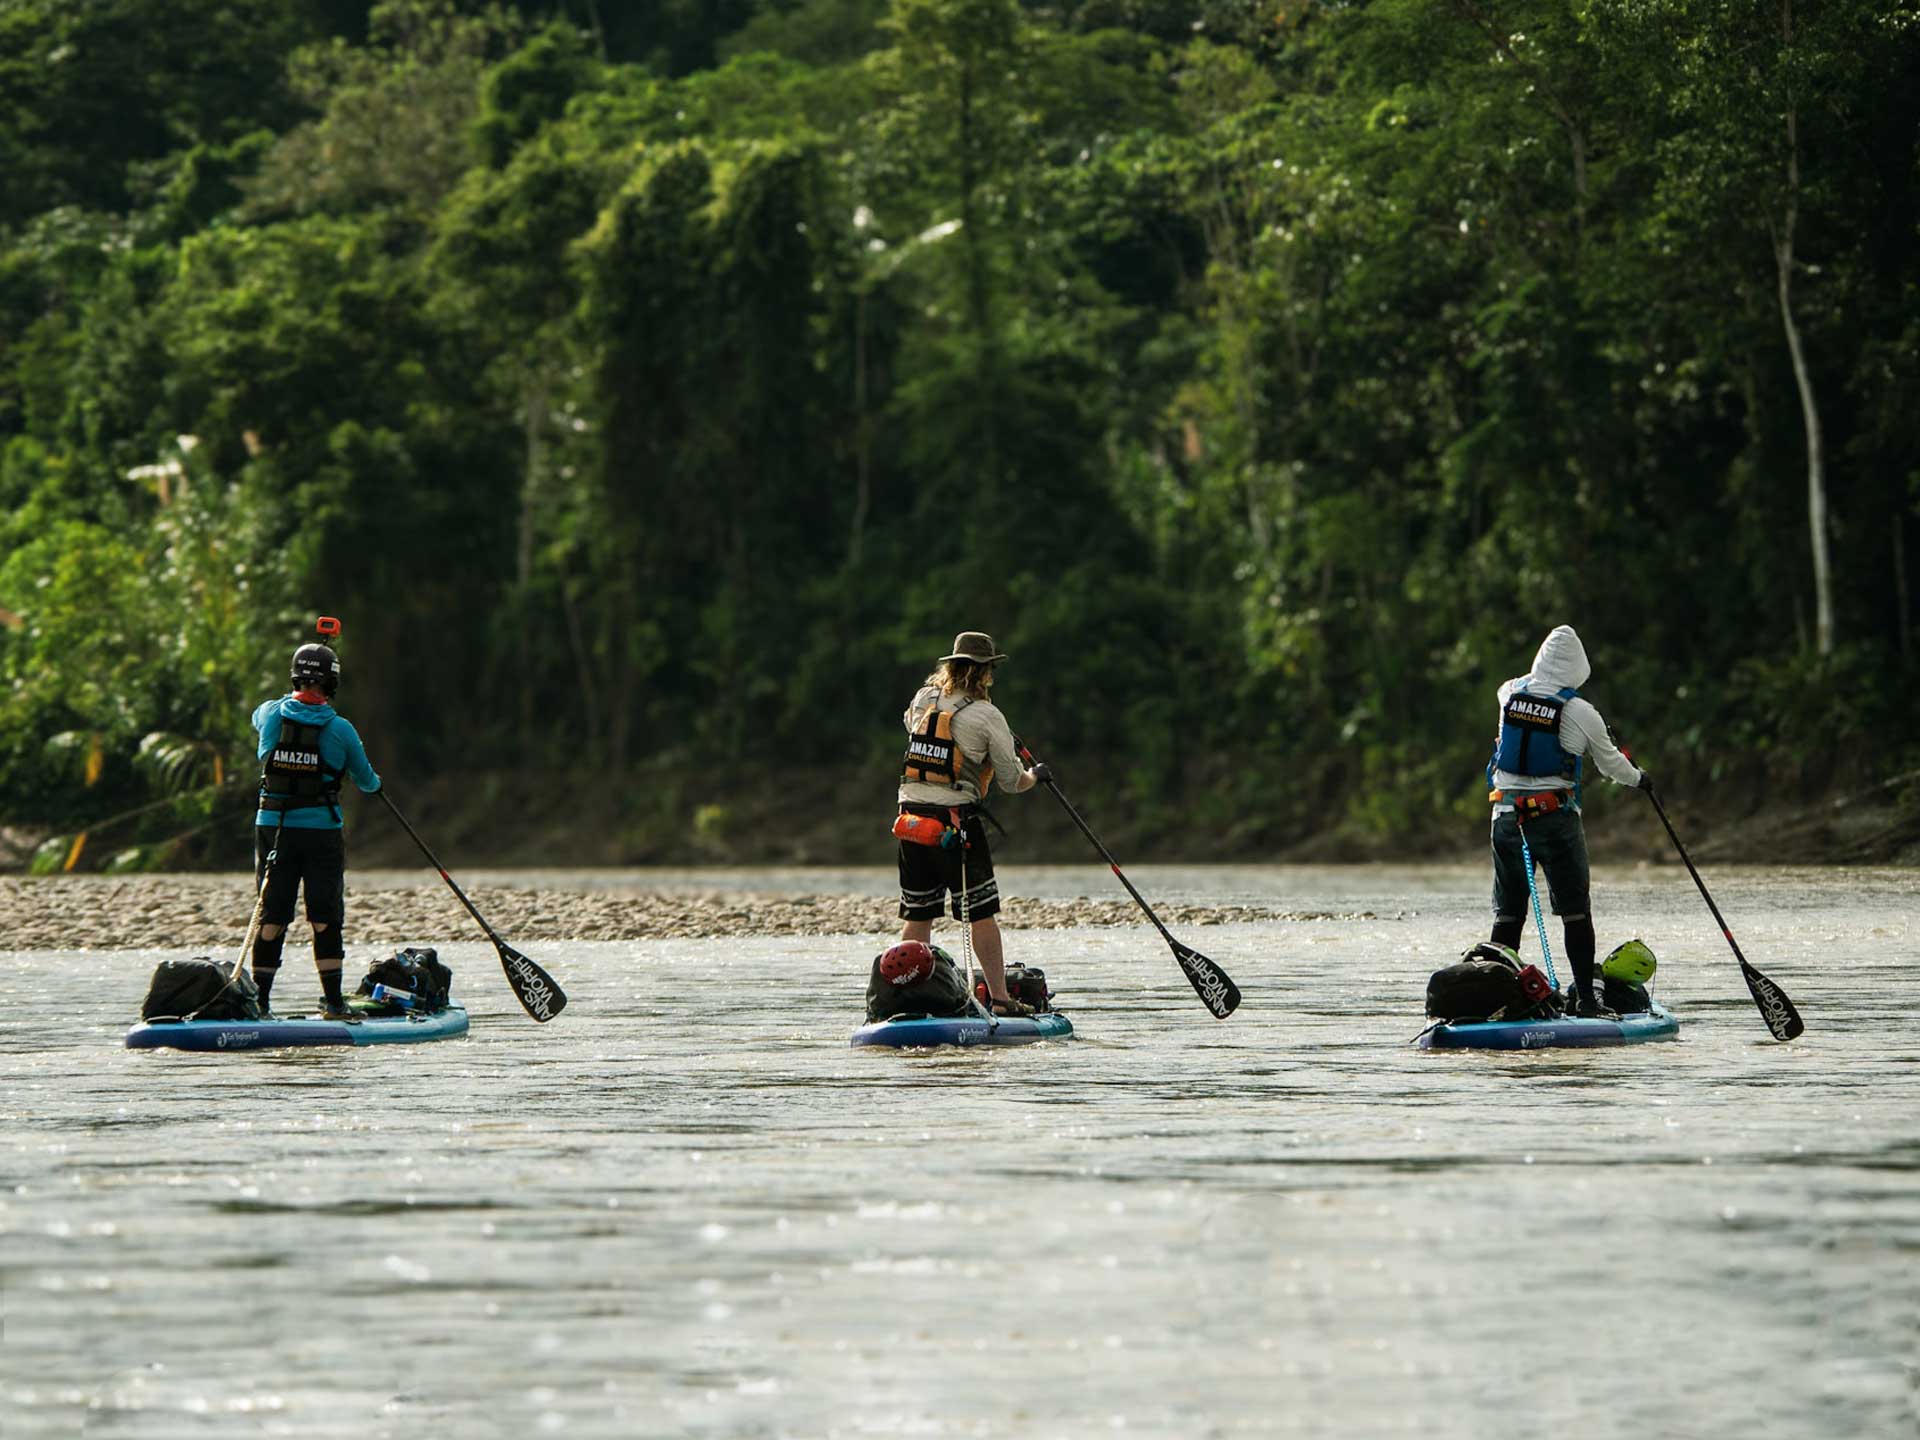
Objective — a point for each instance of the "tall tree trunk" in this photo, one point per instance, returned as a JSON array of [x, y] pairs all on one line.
[[1900, 587], [1809, 408], [535, 390], [979, 284], [862, 431]]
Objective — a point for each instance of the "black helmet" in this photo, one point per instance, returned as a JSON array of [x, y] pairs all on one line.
[[316, 667]]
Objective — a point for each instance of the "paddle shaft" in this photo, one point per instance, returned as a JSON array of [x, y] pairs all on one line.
[[536, 990], [434, 861], [1216, 991], [1112, 864], [1774, 1006]]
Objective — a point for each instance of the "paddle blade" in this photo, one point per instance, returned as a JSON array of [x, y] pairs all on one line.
[[1775, 1008], [1209, 981], [532, 986]]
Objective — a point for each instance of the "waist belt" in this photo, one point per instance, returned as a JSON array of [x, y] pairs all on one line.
[[1532, 804]]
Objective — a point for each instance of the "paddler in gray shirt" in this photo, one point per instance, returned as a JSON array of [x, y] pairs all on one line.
[[958, 745]]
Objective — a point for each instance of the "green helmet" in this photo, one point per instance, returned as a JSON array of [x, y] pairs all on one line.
[[1632, 962]]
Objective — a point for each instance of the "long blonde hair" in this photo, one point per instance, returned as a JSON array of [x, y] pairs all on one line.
[[962, 677]]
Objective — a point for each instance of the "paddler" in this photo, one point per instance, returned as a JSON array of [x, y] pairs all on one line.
[[958, 743], [1545, 733], [305, 751]]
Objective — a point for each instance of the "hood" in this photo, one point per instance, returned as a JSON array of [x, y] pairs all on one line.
[[1560, 661], [304, 713]]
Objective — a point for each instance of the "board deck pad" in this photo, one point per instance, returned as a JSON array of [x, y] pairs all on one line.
[[1659, 1023], [296, 1032], [902, 1033]]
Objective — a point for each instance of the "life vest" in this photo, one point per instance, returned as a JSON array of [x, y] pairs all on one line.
[[293, 775], [1529, 742], [934, 757]]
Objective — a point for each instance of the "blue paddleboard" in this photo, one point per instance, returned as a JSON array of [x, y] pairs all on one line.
[[1658, 1023], [279, 1034], [903, 1032]]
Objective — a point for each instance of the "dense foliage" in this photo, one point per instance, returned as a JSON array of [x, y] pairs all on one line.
[[675, 380]]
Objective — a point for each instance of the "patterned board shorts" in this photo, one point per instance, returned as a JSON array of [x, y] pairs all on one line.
[[929, 874]]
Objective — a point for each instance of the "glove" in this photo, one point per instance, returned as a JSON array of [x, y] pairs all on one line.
[[1042, 775], [1646, 782]]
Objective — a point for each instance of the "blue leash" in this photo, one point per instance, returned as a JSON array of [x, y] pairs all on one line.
[[1539, 920]]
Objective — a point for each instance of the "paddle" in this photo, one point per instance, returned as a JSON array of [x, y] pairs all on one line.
[[1775, 1008], [532, 986], [1218, 993]]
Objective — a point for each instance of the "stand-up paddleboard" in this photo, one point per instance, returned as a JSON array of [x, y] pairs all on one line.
[[373, 1029], [908, 1031], [1658, 1023]]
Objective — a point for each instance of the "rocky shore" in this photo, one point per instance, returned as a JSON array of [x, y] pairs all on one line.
[[94, 912]]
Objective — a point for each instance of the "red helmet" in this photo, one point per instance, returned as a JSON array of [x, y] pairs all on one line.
[[906, 962]]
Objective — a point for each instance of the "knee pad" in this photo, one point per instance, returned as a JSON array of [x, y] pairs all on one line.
[[266, 953], [329, 944]]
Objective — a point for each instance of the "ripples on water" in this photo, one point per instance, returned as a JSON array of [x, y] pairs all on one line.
[[687, 1208]]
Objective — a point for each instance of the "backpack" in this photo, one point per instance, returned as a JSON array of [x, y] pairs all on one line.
[[200, 989], [1026, 983], [940, 994], [1486, 984], [416, 969], [1623, 997]]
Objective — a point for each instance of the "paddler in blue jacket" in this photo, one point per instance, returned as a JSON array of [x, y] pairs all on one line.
[[1545, 733], [305, 751]]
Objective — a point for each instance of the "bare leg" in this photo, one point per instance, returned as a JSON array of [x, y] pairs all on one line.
[[987, 950], [921, 930]]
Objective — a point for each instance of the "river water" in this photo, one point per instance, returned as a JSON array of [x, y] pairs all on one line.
[[686, 1207]]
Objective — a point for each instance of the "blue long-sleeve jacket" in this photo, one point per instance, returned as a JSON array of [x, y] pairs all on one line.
[[340, 750]]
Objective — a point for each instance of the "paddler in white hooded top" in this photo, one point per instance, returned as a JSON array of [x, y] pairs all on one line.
[[1546, 732]]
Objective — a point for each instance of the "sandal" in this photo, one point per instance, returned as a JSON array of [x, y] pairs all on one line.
[[1010, 1008]]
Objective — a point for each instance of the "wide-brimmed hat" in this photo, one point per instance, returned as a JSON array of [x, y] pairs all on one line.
[[973, 645]]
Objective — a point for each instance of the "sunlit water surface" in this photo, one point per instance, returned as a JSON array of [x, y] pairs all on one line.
[[688, 1208]]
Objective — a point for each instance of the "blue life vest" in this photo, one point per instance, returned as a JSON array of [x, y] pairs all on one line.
[[1529, 742]]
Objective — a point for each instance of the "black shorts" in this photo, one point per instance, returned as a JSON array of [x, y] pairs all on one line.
[[929, 873], [313, 860], [1558, 845]]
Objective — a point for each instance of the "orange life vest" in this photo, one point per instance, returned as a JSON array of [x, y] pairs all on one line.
[[933, 755]]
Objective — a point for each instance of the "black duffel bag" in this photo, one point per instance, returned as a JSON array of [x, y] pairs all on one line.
[[939, 994], [1623, 997], [1484, 984], [199, 989], [1025, 983], [417, 970]]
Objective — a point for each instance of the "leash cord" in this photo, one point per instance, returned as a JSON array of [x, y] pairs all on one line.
[[1539, 920]]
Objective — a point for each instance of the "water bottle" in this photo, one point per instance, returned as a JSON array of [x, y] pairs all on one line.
[[388, 995]]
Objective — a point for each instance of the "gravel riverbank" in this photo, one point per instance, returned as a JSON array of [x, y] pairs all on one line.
[[92, 912]]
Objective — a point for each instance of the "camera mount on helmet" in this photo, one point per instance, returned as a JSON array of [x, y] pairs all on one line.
[[315, 666]]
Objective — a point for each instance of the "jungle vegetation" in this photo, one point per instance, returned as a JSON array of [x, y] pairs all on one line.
[[657, 388]]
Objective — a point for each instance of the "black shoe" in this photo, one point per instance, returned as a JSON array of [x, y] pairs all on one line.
[[337, 1010], [1588, 1008]]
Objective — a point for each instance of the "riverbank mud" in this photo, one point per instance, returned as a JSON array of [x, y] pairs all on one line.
[[103, 912]]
